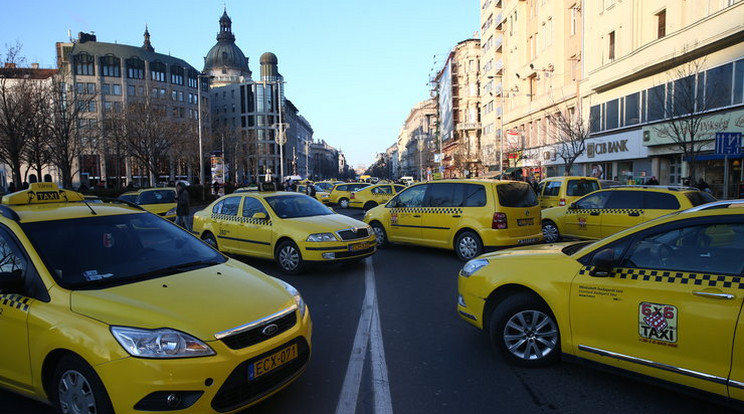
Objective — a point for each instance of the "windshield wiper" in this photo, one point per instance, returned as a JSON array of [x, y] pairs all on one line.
[[182, 267]]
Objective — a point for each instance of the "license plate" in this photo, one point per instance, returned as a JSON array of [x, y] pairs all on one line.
[[358, 246], [527, 241], [272, 362], [525, 222]]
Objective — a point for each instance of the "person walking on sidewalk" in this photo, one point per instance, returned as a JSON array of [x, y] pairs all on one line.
[[183, 213]]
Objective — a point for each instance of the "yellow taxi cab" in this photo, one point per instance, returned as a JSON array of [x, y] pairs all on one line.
[[328, 185], [605, 212], [130, 196], [320, 194], [293, 229], [374, 195], [564, 190], [467, 216], [341, 193], [661, 299], [106, 308], [160, 200]]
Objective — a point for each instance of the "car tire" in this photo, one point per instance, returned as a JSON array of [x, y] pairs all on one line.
[[524, 330], [289, 258], [343, 203], [76, 388], [369, 205], [468, 245], [550, 232], [210, 240], [380, 234]]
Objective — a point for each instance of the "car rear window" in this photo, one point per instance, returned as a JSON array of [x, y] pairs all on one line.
[[699, 197], [516, 195], [581, 187], [660, 201]]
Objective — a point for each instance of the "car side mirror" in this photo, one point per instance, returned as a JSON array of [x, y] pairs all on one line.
[[11, 282], [572, 206], [259, 216], [603, 262]]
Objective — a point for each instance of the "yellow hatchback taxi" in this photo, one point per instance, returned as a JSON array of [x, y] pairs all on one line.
[[106, 308], [374, 195], [341, 193], [661, 299], [467, 216], [562, 191], [293, 229], [605, 212], [161, 201]]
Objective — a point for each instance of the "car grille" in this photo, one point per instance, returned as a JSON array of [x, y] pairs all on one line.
[[349, 234], [238, 391], [255, 335], [341, 255]]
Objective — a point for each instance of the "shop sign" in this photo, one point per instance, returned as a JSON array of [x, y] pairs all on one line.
[[730, 121]]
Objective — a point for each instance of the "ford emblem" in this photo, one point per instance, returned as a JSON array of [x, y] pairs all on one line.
[[270, 329]]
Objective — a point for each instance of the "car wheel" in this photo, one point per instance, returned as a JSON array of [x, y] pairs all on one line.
[[468, 245], [369, 205], [210, 240], [381, 235], [288, 258], [550, 232], [524, 330], [78, 389], [343, 203]]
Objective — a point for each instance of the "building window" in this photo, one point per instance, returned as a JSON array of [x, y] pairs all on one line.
[[174, 95], [157, 71], [193, 78], [116, 89], [83, 64], [92, 106], [574, 19], [105, 89], [611, 46], [632, 109], [611, 114], [111, 66], [107, 106], [131, 90], [135, 68], [176, 75], [91, 88], [661, 24]]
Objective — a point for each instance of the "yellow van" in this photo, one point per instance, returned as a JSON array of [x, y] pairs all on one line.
[[562, 191]]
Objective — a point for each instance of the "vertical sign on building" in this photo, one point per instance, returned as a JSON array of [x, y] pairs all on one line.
[[727, 143]]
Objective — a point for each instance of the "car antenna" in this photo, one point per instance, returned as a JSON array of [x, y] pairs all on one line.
[[91, 208]]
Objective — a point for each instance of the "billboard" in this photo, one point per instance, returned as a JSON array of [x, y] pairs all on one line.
[[446, 125]]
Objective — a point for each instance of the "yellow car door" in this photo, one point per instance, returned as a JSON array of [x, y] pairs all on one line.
[[667, 307], [227, 224], [442, 213], [624, 209], [381, 194], [15, 367], [583, 218], [256, 228], [405, 211]]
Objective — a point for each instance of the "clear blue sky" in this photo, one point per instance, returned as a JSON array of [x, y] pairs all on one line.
[[353, 68]]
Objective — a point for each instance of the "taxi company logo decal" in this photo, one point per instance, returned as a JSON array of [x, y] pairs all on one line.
[[657, 323]]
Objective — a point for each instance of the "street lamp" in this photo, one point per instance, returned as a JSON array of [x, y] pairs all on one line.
[[199, 118]]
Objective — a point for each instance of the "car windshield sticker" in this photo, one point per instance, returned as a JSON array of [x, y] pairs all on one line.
[[94, 275], [657, 323]]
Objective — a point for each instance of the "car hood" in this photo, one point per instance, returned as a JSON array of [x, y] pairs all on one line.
[[536, 250], [327, 223], [158, 208], [199, 302]]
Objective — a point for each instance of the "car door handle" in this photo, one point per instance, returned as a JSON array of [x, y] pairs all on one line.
[[594, 213], [456, 216], [416, 216], [634, 214], [714, 295]]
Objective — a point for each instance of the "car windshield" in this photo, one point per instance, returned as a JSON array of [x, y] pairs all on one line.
[[102, 251], [157, 197], [128, 197], [300, 205], [699, 197]]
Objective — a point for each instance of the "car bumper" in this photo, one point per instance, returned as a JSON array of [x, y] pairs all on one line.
[[335, 252], [356, 204], [500, 238], [213, 384], [469, 306]]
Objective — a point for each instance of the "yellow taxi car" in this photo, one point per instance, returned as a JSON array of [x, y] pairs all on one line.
[[374, 195], [341, 193], [320, 194], [605, 212], [564, 190], [293, 229], [160, 200], [661, 299], [130, 196], [467, 216], [106, 308], [328, 185]]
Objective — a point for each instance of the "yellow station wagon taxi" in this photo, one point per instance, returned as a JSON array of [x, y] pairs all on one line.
[[662, 299], [466, 216], [106, 308], [294, 229], [374, 195], [564, 190], [608, 211], [341, 193]]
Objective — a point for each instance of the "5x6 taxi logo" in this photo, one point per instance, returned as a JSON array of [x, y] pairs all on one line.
[[657, 322]]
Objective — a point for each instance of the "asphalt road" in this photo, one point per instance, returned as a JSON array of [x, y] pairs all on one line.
[[435, 363]]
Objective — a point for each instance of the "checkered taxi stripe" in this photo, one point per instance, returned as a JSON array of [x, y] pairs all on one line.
[[636, 211], [682, 278], [435, 210], [15, 301], [240, 219]]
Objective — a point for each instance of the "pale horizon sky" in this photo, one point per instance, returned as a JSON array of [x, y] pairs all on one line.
[[353, 69]]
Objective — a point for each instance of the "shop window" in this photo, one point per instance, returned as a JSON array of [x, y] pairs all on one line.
[[656, 103], [739, 82], [718, 86], [611, 111]]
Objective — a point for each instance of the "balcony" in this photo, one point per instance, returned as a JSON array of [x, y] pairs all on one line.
[[499, 66], [498, 42], [499, 21]]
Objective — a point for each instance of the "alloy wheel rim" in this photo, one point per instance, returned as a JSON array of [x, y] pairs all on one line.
[[468, 247], [344, 203], [550, 233], [75, 394], [531, 335], [379, 234], [289, 258]]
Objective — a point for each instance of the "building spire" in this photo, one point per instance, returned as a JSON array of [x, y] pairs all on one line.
[[147, 45], [225, 34]]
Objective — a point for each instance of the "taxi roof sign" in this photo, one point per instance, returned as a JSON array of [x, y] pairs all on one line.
[[41, 193]]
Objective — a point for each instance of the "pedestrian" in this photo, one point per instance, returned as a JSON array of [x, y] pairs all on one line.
[[216, 187], [24, 186], [703, 186], [183, 216], [652, 181], [11, 187], [310, 189]]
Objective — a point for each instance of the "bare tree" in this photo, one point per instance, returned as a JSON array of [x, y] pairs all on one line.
[[569, 130], [685, 105]]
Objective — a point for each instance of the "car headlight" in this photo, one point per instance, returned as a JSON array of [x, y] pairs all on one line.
[[297, 297], [321, 237], [171, 212], [472, 266], [159, 343]]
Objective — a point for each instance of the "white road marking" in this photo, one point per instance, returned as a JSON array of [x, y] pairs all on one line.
[[368, 333]]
